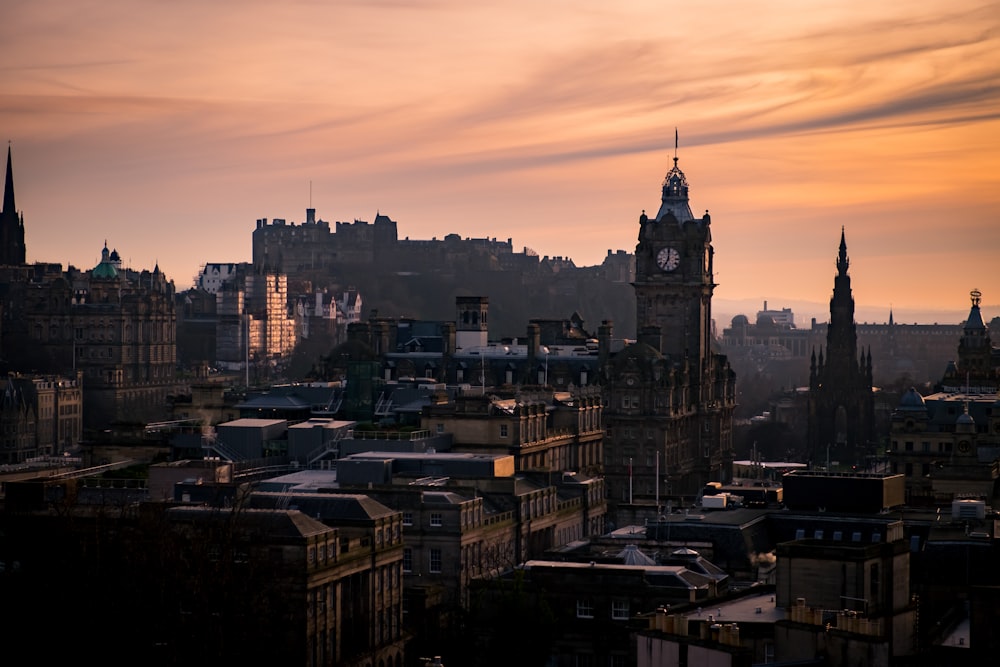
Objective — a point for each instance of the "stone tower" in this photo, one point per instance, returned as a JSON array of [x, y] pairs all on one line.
[[673, 275], [669, 397], [841, 403], [12, 250]]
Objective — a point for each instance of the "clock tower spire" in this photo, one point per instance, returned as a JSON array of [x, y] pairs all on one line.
[[674, 281], [669, 396]]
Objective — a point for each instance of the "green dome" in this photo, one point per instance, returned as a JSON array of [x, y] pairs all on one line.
[[104, 271]]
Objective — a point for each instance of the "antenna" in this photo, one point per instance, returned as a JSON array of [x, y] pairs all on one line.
[[675, 143]]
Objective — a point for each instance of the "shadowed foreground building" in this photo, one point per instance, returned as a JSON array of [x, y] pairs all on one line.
[[199, 585]]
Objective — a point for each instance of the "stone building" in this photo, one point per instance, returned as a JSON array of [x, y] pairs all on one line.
[[39, 416], [112, 325], [256, 321], [947, 443], [354, 613], [841, 424], [543, 430], [669, 396]]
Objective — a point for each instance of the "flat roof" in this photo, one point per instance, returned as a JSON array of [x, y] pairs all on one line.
[[252, 422], [303, 480], [741, 610], [322, 422], [424, 456]]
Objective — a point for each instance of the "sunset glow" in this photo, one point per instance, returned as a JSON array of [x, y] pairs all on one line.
[[169, 128]]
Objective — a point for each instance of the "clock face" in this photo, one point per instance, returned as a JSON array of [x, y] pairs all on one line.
[[667, 259]]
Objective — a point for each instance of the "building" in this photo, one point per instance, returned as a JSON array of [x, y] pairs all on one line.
[[403, 274], [114, 326], [669, 396], [544, 430], [257, 322], [774, 346], [841, 424], [12, 248], [465, 518], [947, 444], [39, 416]]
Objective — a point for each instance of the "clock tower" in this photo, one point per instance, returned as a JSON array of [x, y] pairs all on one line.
[[673, 275], [669, 397]]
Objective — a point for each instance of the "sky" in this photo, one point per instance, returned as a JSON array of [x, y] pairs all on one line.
[[167, 129]]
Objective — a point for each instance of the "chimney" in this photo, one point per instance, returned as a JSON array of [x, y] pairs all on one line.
[[604, 336]]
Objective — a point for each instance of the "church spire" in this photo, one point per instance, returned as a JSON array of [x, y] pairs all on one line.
[[842, 261], [8, 190], [11, 224]]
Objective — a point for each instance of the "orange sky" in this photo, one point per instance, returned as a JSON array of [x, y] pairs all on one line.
[[168, 128]]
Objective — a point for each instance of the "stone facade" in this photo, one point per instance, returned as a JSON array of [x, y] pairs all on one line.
[[669, 396], [841, 424]]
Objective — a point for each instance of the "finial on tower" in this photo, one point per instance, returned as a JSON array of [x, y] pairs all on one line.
[[842, 261], [976, 296]]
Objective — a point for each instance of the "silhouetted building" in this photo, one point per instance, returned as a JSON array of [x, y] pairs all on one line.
[[841, 404], [12, 249], [947, 444], [669, 396]]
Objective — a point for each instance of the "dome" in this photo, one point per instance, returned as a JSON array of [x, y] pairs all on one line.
[[104, 271], [912, 400], [740, 321]]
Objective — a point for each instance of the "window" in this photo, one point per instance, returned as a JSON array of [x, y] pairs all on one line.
[[584, 609], [503, 430], [407, 518], [435, 561], [440, 428], [435, 518], [407, 559], [619, 610]]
